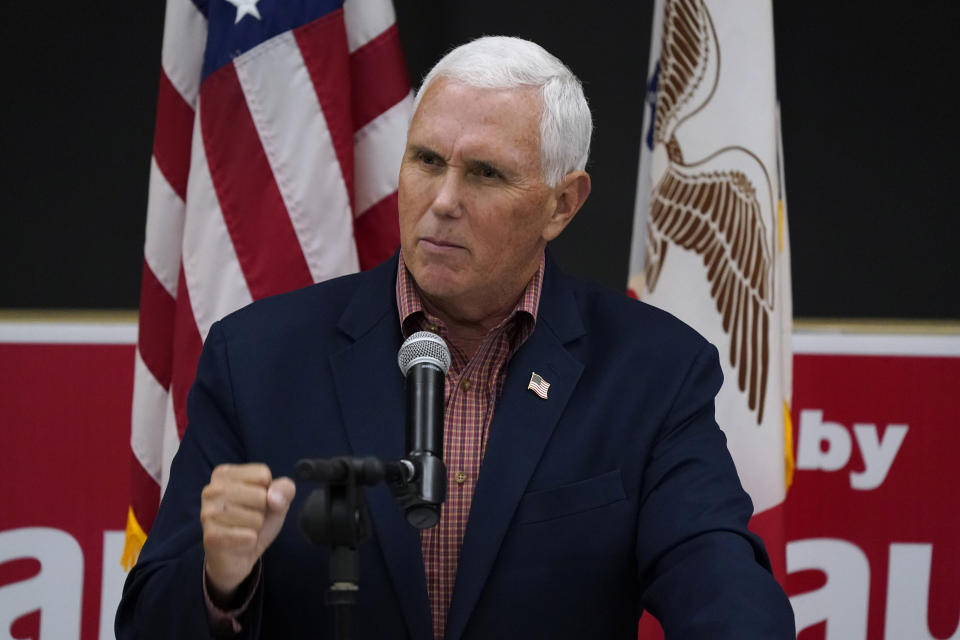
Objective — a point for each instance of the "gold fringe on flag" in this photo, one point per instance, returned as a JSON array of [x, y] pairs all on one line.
[[790, 463], [135, 538], [780, 225]]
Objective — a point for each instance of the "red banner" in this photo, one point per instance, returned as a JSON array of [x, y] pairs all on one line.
[[873, 517], [873, 522], [64, 460]]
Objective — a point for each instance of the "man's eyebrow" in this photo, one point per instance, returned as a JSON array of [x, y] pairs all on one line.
[[506, 170], [419, 148], [485, 164], [472, 163]]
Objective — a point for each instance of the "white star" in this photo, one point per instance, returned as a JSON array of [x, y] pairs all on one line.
[[245, 7]]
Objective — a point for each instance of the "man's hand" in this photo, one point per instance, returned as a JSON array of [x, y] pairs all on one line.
[[242, 511]]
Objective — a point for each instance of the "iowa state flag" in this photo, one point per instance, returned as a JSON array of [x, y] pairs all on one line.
[[279, 133], [710, 238]]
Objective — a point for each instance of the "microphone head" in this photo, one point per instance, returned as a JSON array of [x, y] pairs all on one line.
[[424, 347]]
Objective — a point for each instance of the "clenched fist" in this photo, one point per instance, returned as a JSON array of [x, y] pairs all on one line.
[[242, 511]]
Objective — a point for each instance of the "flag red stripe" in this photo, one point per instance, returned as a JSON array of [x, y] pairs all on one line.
[[144, 494], [323, 45], [263, 236], [155, 333], [378, 76], [171, 139], [377, 232], [186, 346]]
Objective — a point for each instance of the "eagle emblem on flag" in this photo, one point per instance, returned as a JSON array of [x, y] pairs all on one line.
[[712, 206]]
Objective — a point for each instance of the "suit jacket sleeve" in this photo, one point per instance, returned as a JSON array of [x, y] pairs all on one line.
[[163, 595], [703, 574]]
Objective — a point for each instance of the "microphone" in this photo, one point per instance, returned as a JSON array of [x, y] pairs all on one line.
[[424, 360]]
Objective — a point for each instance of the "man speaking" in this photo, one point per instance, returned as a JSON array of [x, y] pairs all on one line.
[[587, 477]]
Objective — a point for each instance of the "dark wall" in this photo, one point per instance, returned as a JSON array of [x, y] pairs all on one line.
[[869, 121], [80, 86], [870, 132]]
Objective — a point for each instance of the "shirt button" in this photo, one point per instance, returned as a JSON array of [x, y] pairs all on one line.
[[465, 385], [461, 477]]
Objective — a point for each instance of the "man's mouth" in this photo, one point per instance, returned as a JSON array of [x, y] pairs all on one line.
[[437, 244]]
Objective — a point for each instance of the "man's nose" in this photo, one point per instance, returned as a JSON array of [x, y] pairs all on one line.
[[447, 200]]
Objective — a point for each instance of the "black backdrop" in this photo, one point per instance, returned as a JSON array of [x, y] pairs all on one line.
[[869, 126]]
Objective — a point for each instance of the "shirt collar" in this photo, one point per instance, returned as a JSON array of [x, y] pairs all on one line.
[[413, 317]]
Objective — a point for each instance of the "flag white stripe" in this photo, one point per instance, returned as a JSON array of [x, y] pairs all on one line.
[[30, 332], [165, 212], [184, 39], [297, 142], [365, 20], [808, 342], [378, 149], [149, 406], [212, 271]]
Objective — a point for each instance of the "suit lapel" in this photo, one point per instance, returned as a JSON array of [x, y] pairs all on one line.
[[522, 425], [369, 386]]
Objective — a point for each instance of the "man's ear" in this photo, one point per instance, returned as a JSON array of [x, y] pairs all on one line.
[[570, 195]]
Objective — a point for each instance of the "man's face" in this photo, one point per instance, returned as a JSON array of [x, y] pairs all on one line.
[[475, 212]]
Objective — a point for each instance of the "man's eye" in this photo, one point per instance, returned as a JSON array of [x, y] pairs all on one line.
[[485, 171], [429, 159]]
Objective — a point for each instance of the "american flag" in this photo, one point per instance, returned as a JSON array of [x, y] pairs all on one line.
[[279, 132], [538, 385]]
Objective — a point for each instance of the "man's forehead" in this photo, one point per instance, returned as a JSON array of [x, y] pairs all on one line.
[[456, 113], [447, 94]]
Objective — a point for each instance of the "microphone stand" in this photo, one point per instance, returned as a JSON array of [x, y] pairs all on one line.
[[335, 514]]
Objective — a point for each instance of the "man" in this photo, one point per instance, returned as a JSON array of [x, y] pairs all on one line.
[[603, 490]]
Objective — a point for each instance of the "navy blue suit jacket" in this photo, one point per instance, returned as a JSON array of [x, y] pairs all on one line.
[[616, 494]]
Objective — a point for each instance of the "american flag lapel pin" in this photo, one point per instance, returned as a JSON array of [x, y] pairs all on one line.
[[538, 385]]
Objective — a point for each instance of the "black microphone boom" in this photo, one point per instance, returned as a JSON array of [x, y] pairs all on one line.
[[424, 360]]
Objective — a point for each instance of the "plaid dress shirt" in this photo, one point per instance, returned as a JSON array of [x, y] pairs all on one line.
[[473, 386]]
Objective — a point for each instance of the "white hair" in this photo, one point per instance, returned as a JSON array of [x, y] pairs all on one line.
[[502, 62]]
